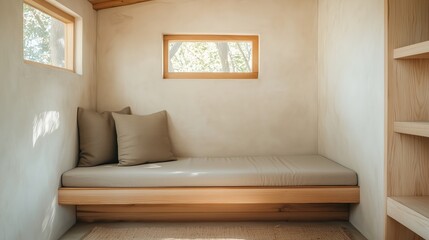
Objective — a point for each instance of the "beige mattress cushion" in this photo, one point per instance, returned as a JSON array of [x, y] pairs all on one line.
[[307, 170]]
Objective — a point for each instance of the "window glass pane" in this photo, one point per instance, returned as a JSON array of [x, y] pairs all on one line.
[[44, 38], [210, 56]]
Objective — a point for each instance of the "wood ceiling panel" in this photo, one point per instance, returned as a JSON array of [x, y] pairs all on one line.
[[103, 4], [97, 1]]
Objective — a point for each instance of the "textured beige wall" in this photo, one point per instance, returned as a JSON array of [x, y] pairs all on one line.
[[276, 114], [39, 101], [351, 100]]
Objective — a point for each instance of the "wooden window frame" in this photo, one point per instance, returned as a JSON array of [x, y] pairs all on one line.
[[68, 20], [204, 75]]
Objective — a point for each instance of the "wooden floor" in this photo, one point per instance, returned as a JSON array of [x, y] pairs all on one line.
[[79, 230]]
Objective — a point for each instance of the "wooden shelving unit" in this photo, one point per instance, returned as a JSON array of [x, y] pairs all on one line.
[[414, 51], [412, 212], [412, 128], [407, 143]]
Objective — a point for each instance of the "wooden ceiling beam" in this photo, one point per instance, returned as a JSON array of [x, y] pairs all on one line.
[[103, 4]]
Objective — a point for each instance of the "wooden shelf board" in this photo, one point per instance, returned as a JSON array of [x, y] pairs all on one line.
[[412, 128], [412, 212], [415, 51]]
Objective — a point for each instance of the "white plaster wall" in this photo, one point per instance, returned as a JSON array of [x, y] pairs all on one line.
[[276, 114], [351, 100], [30, 174]]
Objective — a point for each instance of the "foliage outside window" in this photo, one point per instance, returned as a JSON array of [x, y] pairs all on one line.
[[48, 34], [211, 56]]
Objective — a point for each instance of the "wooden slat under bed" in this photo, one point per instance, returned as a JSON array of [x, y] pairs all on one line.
[[309, 203]]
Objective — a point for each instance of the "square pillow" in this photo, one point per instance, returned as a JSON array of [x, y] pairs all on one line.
[[97, 137], [143, 139]]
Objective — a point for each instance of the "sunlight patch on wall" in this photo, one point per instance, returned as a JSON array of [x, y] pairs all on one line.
[[49, 218], [45, 123]]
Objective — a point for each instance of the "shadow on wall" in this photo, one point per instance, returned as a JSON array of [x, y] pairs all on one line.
[[45, 123]]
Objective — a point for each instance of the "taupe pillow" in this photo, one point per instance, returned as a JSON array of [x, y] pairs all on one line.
[[97, 137], [143, 139]]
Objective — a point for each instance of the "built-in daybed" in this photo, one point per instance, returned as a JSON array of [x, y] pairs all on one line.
[[302, 188]]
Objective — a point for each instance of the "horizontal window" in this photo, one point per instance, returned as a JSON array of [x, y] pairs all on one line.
[[48, 34], [211, 56]]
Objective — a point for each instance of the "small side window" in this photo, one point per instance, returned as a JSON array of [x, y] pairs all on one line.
[[48, 35], [211, 56]]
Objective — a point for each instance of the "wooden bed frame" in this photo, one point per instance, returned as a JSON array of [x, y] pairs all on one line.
[[309, 203]]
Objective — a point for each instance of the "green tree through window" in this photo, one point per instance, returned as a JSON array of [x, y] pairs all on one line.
[[211, 56], [44, 37]]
